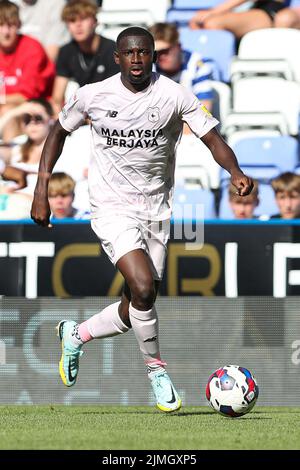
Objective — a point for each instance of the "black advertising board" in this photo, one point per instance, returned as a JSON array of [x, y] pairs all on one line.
[[236, 259]]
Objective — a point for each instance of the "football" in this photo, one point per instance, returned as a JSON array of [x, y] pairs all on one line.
[[232, 391]]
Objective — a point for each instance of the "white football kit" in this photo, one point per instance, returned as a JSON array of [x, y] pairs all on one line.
[[131, 175]]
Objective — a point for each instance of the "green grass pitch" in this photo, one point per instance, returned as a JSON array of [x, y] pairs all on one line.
[[117, 427]]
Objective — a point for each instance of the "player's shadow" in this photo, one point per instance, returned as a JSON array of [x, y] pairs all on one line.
[[192, 413]]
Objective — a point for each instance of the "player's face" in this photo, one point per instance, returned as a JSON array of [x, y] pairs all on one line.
[[168, 56], [61, 205], [288, 204], [82, 28], [135, 56], [8, 35], [243, 208]]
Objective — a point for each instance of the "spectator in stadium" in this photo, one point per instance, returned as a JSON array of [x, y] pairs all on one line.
[[187, 68], [243, 207], [88, 58], [25, 70], [42, 21], [36, 117], [61, 193], [262, 14], [287, 194]]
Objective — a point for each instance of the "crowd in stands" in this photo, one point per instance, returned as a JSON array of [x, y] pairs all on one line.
[[49, 49]]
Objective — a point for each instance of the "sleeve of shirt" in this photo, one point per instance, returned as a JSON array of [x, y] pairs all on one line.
[[194, 113], [74, 113]]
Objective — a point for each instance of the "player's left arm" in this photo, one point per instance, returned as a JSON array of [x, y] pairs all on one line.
[[226, 158]]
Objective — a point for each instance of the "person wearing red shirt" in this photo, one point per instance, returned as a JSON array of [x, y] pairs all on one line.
[[25, 70]]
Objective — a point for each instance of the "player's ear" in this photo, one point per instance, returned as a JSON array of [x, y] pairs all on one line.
[[116, 57], [154, 57]]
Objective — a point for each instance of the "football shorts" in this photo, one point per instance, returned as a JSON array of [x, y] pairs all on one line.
[[121, 234]]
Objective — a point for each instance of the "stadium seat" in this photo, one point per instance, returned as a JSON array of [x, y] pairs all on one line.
[[282, 151], [271, 51], [221, 100], [191, 152], [207, 43], [266, 207], [262, 173], [234, 137], [76, 153], [124, 18], [186, 201], [249, 122], [192, 177], [180, 17], [269, 95], [157, 10]]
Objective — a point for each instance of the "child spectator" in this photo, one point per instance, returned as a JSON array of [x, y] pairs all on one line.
[[187, 68], [61, 195], [88, 58], [243, 207], [25, 70], [287, 195]]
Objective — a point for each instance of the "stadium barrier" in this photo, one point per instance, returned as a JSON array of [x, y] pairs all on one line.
[[228, 258], [197, 336]]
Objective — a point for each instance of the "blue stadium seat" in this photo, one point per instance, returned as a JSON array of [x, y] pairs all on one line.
[[180, 17], [207, 42], [262, 173], [267, 205], [191, 198], [281, 151]]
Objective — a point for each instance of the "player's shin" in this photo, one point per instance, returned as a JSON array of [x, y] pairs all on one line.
[[102, 325], [145, 326]]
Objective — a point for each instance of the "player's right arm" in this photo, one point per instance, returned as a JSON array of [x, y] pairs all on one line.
[[40, 210], [72, 116]]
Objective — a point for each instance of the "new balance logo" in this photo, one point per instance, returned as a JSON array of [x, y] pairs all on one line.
[[111, 113]]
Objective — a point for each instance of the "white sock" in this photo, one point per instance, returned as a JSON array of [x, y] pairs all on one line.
[[145, 326], [107, 323], [102, 325]]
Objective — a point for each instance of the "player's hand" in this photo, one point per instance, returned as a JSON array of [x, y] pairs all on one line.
[[40, 211], [243, 183]]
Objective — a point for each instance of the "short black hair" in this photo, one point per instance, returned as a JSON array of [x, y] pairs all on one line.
[[134, 31]]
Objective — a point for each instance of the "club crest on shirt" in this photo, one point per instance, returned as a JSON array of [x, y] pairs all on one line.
[[153, 114]]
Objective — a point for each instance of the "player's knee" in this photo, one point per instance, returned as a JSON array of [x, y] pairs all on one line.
[[143, 294]]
